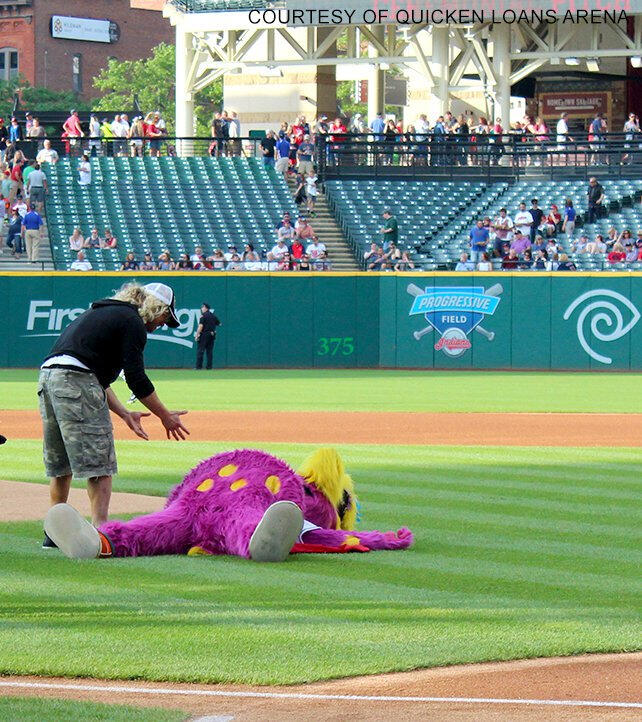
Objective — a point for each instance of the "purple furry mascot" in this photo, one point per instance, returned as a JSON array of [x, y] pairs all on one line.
[[245, 503]]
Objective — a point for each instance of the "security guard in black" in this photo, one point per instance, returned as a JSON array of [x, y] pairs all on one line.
[[205, 336]]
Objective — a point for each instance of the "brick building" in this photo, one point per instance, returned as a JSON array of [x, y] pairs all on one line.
[[63, 44]]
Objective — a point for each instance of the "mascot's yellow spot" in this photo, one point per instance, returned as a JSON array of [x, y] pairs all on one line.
[[273, 483], [351, 541], [238, 484], [205, 485], [227, 470], [198, 552]]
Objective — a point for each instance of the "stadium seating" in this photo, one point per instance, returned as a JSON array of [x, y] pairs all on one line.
[[158, 203], [435, 217]]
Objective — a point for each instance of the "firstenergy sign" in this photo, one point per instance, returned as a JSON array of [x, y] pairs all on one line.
[[44, 319]]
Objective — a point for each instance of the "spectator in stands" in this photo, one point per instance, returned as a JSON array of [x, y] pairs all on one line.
[[268, 147], [527, 260], [234, 134], [562, 132], [315, 249], [311, 191], [322, 263], [371, 253], [464, 264], [136, 134], [217, 259], [503, 227], [71, 129], [304, 264], [595, 196], [147, 264], [638, 240], [612, 236], [564, 264], [280, 249], [47, 154], [235, 263], [597, 246], [297, 250], [479, 236], [283, 155], [286, 217], [617, 254], [231, 250], [107, 136], [94, 240], [165, 262], [286, 232], [523, 220], [539, 245], [631, 129], [198, 259], [130, 263], [94, 135], [377, 261], [580, 245], [405, 263], [4, 135], [21, 206], [37, 188], [154, 133], [31, 225], [37, 131], [551, 248], [81, 263], [14, 234], [541, 261], [76, 241], [284, 263], [305, 156], [390, 229], [393, 254], [84, 171], [15, 131], [520, 242], [16, 181], [623, 238], [303, 230], [484, 264], [27, 170], [120, 132], [537, 214], [511, 261], [631, 252], [109, 241], [551, 222]]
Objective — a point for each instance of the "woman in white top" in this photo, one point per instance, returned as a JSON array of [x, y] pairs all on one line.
[[76, 241], [84, 171], [485, 264], [311, 190]]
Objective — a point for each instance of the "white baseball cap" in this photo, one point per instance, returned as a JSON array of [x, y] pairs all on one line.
[[165, 295]]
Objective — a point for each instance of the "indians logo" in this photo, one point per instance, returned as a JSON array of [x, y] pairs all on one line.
[[58, 25], [454, 313]]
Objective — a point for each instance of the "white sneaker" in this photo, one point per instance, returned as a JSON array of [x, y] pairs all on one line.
[[73, 535], [276, 533]]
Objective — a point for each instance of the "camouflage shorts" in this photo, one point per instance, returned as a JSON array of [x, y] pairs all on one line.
[[77, 432]]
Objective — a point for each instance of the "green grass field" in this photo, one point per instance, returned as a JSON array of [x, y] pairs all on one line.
[[520, 551], [33, 709]]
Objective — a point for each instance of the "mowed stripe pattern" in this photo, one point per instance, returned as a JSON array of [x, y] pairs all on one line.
[[519, 553]]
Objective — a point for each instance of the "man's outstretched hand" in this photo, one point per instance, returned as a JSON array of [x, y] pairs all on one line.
[[173, 425], [132, 419]]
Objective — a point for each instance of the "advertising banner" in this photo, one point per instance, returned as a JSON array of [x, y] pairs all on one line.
[[90, 29]]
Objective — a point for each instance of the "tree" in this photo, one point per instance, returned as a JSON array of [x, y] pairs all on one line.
[[36, 99], [152, 80]]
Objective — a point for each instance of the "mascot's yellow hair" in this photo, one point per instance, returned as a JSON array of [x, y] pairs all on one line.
[[325, 470]]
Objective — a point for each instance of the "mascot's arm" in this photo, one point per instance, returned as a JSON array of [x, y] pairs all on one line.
[[332, 540]]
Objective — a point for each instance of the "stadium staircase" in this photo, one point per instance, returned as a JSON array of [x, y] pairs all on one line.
[[435, 217], [9, 263], [166, 203]]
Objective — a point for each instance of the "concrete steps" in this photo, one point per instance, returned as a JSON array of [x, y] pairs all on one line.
[[329, 233], [8, 262]]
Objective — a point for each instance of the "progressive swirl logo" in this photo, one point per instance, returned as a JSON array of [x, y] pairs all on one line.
[[602, 319]]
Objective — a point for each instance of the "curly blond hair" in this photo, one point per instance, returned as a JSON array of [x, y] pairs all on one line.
[[149, 307]]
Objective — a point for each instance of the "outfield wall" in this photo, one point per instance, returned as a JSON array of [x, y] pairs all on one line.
[[429, 320]]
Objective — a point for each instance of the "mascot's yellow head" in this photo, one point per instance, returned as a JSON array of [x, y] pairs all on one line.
[[324, 470]]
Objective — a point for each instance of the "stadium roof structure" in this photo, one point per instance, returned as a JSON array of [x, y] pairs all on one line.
[[466, 48]]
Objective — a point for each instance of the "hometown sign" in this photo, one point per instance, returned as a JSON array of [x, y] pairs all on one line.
[[454, 312]]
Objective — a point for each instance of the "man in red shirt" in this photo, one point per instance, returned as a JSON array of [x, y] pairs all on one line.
[[72, 129], [16, 181]]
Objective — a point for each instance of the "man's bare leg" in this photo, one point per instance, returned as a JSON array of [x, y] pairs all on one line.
[[99, 490], [59, 489]]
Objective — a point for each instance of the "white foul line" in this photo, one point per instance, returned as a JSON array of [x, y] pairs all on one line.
[[301, 695]]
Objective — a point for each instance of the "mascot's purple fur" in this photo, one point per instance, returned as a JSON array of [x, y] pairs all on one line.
[[245, 503]]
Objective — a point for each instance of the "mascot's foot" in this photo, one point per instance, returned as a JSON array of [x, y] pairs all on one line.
[[276, 533], [75, 537]]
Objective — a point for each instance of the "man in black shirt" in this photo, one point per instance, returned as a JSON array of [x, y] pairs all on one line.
[[268, 145], [205, 336], [75, 395], [537, 213], [595, 197]]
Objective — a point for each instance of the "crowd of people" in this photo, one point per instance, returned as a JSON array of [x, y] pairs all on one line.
[[529, 238], [296, 248]]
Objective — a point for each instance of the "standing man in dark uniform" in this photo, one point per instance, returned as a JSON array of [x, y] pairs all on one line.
[[205, 336]]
